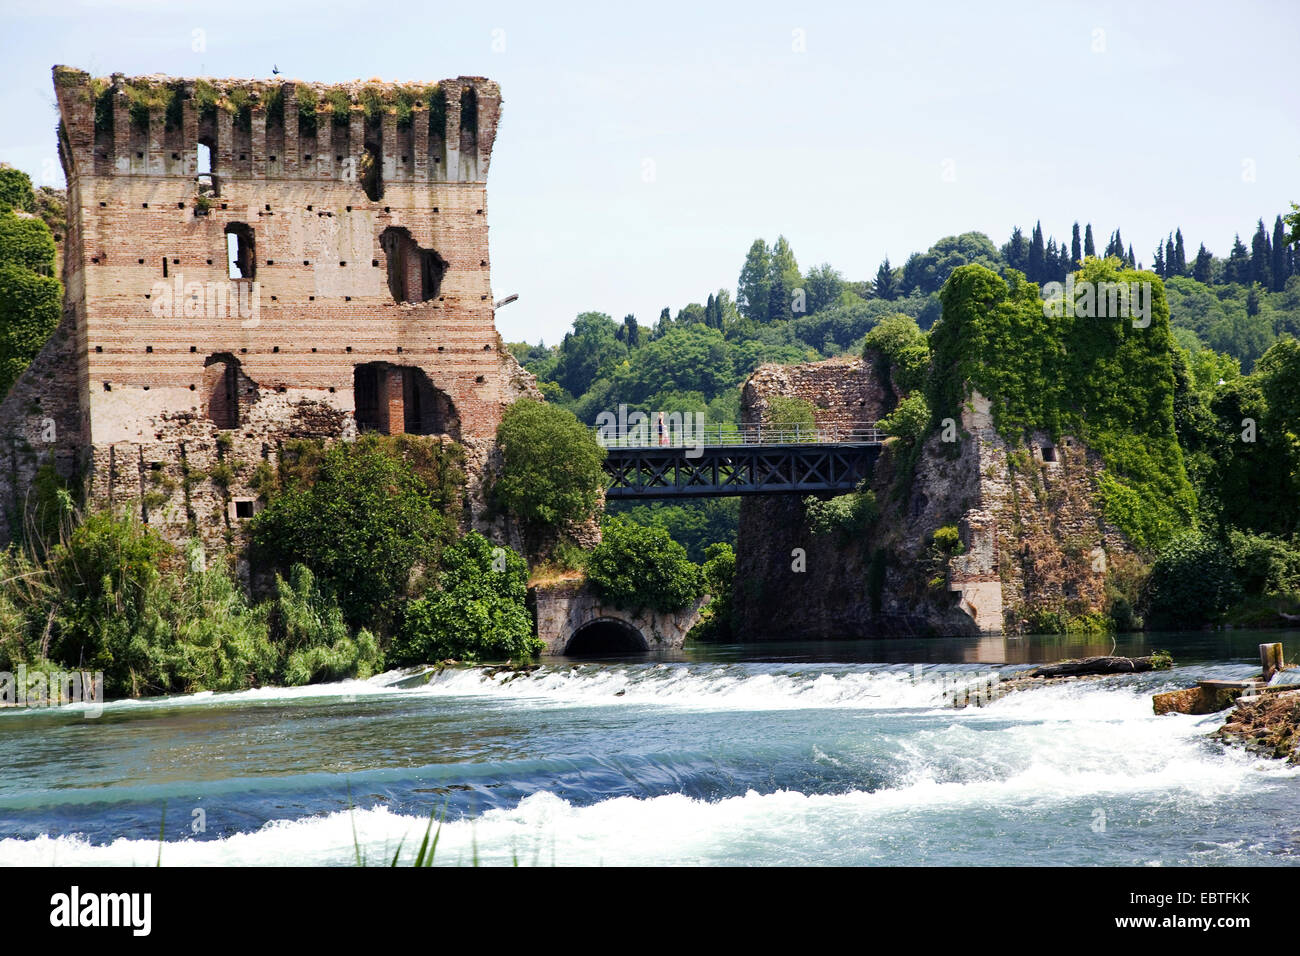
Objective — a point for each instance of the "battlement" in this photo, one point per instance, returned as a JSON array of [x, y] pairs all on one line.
[[370, 131]]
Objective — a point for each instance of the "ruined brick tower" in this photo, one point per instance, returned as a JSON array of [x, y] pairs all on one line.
[[249, 262]]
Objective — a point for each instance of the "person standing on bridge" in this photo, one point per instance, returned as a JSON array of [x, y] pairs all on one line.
[[663, 432]]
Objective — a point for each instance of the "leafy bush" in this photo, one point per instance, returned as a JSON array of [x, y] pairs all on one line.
[[1191, 583], [477, 611], [365, 525], [552, 470], [717, 618], [909, 421], [897, 343], [1264, 564], [635, 567], [309, 627], [850, 514], [110, 600], [788, 412]]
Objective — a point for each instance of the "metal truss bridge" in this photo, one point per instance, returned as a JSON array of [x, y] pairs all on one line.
[[724, 460]]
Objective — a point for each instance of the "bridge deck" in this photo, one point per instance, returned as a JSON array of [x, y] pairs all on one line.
[[752, 462]]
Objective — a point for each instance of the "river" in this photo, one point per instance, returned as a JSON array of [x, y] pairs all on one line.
[[760, 754]]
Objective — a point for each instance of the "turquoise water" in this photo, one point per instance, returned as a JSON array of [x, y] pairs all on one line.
[[773, 754]]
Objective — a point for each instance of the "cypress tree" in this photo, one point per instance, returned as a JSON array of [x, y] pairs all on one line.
[[1238, 267], [1160, 261], [1035, 266], [631, 332], [1203, 271], [1180, 254], [1260, 254], [1171, 257], [1089, 247], [1132, 262], [1281, 260], [1076, 248]]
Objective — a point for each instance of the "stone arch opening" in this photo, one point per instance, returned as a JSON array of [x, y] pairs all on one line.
[[400, 399], [605, 637], [414, 274], [226, 389]]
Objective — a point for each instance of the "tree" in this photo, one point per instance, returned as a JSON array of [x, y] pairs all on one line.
[[901, 351], [886, 284], [1016, 251], [362, 523], [636, 567], [475, 613], [784, 265], [823, 286], [588, 352], [631, 332], [754, 288], [1076, 248], [31, 299], [1036, 267], [1237, 268], [1261, 256], [551, 472], [1280, 263], [1089, 247], [1180, 254], [1203, 270]]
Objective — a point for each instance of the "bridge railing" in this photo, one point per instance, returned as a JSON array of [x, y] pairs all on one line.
[[717, 434]]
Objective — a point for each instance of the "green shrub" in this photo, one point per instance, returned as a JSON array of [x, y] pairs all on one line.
[[221, 643], [552, 470], [477, 611], [1264, 564], [636, 567], [849, 515], [365, 525], [309, 628], [717, 618], [900, 351], [1191, 584], [789, 413], [909, 420], [108, 614]]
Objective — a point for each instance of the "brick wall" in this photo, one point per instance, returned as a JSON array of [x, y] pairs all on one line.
[[152, 311]]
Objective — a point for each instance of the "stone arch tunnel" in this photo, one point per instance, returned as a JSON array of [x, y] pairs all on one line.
[[573, 621]]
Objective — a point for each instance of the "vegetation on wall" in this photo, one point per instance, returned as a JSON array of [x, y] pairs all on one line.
[[636, 568], [31, 299]]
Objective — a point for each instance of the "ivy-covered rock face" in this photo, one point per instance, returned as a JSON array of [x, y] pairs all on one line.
[[1107, 378]]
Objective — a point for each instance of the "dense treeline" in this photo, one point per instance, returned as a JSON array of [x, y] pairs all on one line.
[[1233, 308]]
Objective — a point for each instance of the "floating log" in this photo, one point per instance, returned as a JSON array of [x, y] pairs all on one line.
[[1096, 665]]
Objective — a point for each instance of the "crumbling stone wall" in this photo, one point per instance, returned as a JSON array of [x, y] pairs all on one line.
[[1033, 537], [150, 304]]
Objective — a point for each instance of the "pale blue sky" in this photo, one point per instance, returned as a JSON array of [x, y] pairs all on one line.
[[843, 147]]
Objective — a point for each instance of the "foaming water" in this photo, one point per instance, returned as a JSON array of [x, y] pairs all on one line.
[[626, 763]]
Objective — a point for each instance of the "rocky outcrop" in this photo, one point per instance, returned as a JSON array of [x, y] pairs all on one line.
[[1034, 549]]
